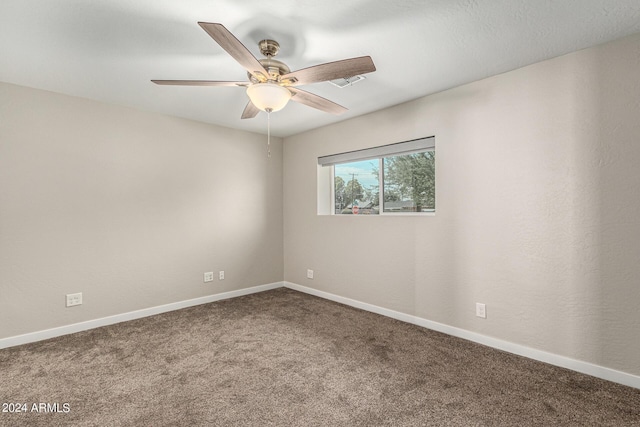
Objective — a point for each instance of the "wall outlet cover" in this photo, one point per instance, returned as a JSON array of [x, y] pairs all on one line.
[[74, 299]]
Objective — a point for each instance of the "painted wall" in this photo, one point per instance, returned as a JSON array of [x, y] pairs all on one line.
[[538, 209], [127, 207]]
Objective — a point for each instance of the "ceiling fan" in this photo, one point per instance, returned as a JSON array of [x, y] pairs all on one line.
[[271, 83]]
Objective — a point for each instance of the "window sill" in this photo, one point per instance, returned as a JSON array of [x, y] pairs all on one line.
[[387, 215]]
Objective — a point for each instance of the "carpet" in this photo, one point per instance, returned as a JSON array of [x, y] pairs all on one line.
[[284, 358]]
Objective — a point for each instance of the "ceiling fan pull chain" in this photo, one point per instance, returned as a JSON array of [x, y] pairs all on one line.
[[269, 132]]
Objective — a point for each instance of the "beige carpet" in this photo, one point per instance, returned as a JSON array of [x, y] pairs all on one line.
[[283, 358]]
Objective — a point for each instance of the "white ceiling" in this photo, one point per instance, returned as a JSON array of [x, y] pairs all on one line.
[[108, 50]]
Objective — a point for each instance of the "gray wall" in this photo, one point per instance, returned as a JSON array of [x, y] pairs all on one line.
[[537, 209], [127, 207]]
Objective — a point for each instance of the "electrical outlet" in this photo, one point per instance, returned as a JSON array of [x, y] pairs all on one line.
[[208, 276], [481, 310], [221, 275], [309, 274], [74, 299]]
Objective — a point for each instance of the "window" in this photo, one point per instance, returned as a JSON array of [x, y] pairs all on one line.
[[406, 171]]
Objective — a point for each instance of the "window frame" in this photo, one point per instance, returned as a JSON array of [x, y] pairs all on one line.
[[420, 145]]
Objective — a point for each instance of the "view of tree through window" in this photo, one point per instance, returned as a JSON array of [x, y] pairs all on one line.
[[408, 185]]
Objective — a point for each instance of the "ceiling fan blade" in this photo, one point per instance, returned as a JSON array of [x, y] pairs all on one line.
[[235, 48], [250, 111], [315, 101], [198, 83], [331, 71]]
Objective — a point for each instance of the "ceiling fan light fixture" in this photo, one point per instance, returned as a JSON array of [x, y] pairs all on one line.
[[268, 96]]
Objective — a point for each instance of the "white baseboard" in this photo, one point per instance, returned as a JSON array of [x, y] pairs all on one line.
[[132, 315], [521, 350], [531, 353]]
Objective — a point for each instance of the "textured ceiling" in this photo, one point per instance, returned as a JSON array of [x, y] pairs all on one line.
[[108, 50]]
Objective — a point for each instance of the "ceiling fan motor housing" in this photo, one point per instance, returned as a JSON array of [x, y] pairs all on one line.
[[274, 67]]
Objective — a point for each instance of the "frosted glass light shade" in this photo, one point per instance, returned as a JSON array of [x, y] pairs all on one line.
[[268, 96]]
